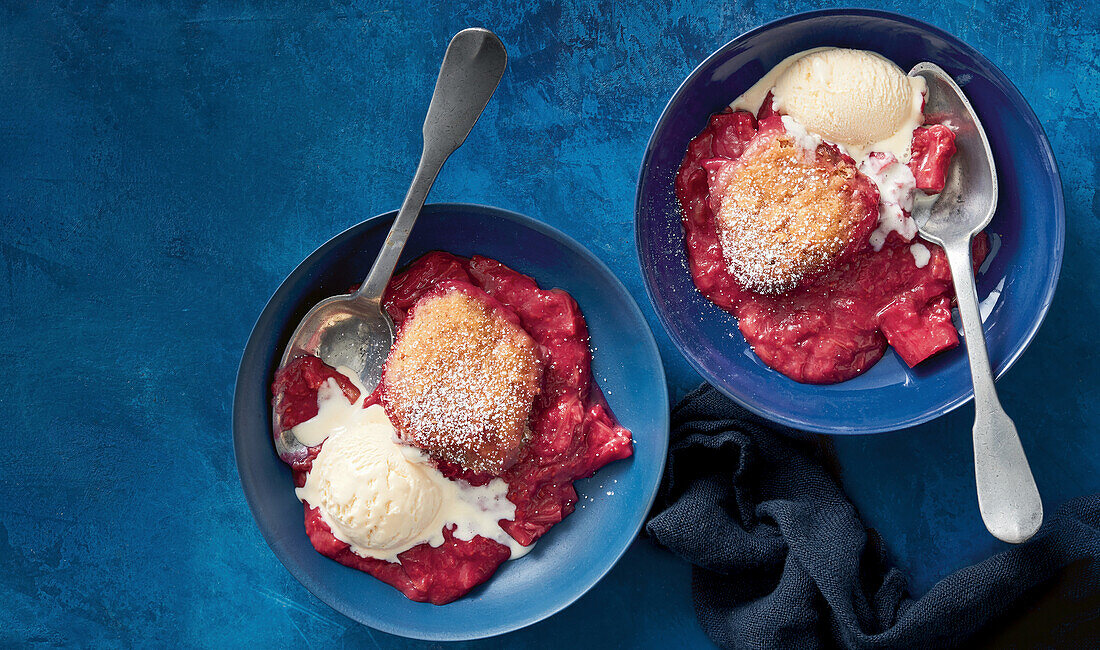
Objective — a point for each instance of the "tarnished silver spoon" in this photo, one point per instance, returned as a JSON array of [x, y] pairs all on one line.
[[1007, 496], [354, 330]]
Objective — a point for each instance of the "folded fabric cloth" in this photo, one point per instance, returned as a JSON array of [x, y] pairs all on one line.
[[782, 559]]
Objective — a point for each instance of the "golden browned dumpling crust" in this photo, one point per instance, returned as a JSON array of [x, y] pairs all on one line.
[[788, 214], [460, 382]]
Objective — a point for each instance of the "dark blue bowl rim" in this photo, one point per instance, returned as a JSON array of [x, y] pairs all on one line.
[[1029, 118], [316, 587]]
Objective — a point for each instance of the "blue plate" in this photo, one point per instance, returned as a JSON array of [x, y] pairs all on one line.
[[576, 553], [1029, 227]]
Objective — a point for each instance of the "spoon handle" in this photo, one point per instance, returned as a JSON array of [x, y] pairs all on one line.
[[1007, 496], [472, 68]]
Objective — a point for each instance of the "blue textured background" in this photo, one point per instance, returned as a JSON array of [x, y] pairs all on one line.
[[163, 168]]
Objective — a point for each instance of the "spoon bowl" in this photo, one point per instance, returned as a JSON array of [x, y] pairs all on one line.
[[969, 197], [1007, 495], [345, 331]]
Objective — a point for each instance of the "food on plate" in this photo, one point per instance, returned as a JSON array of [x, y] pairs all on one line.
[[787, 216], [796, 208], [461, 380], [382, 498], [858, 100], [466, 453]]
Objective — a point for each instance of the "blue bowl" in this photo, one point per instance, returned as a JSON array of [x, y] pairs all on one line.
[[576, 553], [1029, 227]]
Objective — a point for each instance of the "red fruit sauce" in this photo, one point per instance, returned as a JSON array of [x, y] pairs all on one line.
[[573, 431], [838, 324]]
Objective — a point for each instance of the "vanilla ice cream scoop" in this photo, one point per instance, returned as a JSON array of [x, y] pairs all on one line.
[[381, 497], [853, 98], [374, 498]]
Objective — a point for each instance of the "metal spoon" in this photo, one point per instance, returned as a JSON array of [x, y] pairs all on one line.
[[354, 330], [1007, 496]]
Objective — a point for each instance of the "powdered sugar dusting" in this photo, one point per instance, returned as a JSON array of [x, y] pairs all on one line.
[[787, 214], [460, 382]]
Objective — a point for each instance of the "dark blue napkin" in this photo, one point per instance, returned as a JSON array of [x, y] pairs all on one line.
[[782, 559]]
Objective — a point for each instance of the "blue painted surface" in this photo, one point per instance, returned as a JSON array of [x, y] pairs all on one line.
[[163, 169]]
